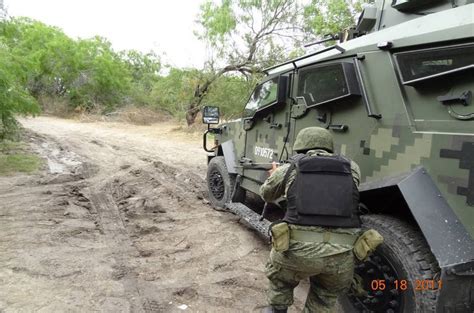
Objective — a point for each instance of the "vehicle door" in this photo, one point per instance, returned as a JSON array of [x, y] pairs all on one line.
[[329, 95], [266, 124]]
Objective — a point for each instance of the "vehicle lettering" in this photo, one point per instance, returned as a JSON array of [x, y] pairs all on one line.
[[264, 152]]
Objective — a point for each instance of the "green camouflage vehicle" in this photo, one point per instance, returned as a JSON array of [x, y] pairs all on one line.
[[396, 93]]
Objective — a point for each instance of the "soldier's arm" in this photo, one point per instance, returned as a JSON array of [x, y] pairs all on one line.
[[272, 188]]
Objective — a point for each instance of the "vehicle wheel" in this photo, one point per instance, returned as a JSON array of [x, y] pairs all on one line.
[[404, 255], [221, 184]]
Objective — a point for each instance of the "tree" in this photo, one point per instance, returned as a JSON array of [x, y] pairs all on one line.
[[86, 72], [144, 69], [230, 92], [323, 17], [46, 50], [246, 36], [173, 92], [103, 77], [14, 97]]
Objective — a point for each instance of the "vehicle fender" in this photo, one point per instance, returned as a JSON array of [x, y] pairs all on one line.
[[449, 241], [229, 156]]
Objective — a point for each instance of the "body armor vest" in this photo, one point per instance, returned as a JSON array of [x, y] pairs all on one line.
[[323, 192]]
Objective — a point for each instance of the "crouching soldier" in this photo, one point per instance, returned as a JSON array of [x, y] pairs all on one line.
[[317, 235]]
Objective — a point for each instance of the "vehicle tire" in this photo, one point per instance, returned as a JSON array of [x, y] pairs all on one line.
[[221, 184], [404, 255]]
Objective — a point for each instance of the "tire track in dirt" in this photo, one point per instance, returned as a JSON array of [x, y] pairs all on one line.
[[130, 228], [111, 225]]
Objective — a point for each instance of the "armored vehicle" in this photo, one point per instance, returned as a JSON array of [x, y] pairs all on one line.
[[396, 93]]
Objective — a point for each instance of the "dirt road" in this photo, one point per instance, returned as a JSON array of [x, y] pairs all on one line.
[[117, 221]]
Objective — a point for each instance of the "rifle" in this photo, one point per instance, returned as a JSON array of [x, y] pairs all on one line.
[[260, 166], [264, 211]]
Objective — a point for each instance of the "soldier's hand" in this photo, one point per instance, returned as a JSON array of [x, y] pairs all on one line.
[[274, 167]]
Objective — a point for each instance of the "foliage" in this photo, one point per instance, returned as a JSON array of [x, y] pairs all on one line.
[[14, 98], [230, 93], [144, 69], [41, 63], [174, 91], [246, 36], [323, 17], [102, 77], [87, 73], [247, 33]]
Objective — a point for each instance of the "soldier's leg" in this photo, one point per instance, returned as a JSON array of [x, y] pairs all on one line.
[[327, 286], [282, 283]]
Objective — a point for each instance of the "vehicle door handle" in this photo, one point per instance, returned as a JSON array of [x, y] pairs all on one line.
[[465, 98], [339, 128]]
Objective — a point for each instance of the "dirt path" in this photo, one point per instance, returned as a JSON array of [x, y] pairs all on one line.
[[118, 222]]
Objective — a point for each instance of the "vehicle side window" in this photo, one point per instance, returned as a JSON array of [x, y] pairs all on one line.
[[264, 94], [322, 84], [420, 65]]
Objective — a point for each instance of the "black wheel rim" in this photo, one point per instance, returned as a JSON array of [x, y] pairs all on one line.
[[388, 300], [216, 185]]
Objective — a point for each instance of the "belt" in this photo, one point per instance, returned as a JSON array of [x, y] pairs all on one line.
[[312, 236]]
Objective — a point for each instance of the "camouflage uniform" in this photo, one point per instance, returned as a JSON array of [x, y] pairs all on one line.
[[329, 266]]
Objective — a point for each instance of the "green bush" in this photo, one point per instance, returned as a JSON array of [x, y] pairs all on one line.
[[47, 65], [14, 97], [230, 93]]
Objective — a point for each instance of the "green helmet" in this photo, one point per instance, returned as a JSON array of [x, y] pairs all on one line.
[[313, 138]]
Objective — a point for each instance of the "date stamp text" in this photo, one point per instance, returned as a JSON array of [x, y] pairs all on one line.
[[404, 284]]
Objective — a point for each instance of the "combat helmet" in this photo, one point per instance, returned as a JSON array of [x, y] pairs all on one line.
[[313, 138]]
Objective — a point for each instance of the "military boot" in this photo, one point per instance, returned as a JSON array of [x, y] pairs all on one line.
[[271, 309]]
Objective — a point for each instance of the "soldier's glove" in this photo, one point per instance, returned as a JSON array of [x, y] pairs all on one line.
[[366, 244], [357, 287]]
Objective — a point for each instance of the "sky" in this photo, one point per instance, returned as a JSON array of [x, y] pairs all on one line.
[[163, 26]]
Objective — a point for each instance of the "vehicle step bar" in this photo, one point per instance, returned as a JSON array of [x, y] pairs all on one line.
[[251, 218]]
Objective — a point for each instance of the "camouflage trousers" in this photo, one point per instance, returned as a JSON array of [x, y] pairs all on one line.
[[329, 277]]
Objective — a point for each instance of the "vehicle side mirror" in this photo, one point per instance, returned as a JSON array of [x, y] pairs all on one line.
[[282, 93], [210, 115]]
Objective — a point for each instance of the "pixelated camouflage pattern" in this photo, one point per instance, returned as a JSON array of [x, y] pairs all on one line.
[[393, 145], [272, 189], [415, 128], [329, 275], [313, 138]]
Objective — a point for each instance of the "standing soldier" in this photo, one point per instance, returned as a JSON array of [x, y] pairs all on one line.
[[317, 235]]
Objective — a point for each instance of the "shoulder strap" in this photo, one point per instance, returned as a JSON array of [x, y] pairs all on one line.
[[293, 160]]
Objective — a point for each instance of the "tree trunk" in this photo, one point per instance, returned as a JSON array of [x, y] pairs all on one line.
[[191, 114], [201, 91], [195, 105]]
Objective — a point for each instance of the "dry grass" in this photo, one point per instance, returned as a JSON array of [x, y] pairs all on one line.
[[139, 116], [129, 114], [55, 106], [194, 128]]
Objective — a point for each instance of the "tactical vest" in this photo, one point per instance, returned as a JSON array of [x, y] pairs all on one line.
[[323, 192]]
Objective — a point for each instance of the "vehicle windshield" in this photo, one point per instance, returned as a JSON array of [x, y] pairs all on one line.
[[263, 95]]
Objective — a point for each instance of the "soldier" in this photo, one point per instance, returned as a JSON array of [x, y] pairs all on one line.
[[316, 238]]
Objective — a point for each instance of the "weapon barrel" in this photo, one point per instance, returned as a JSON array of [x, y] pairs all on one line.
[[259, 166]]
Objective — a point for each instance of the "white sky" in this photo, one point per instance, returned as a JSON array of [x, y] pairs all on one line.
[[164, 26]]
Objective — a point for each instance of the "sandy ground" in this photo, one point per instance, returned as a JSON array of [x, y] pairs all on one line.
[[117, 221]]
